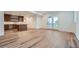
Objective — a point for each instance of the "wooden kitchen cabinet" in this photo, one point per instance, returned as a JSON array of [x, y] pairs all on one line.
[[19, 27], [22, 27], [7, 17], [13, 18], [20, 18], [8, 27]]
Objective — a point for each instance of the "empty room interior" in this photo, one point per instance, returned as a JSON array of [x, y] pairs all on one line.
[[39, 29]]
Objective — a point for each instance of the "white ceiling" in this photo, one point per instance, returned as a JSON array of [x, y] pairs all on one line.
[[29, 13], [21, 13], [46, 12]]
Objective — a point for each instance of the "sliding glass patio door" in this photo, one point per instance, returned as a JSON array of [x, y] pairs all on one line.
[[52, 22]]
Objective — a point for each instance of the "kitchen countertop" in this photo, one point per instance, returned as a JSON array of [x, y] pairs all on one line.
[[16, 23]]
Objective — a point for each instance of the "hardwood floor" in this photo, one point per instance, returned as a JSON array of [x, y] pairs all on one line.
[[39, 39]]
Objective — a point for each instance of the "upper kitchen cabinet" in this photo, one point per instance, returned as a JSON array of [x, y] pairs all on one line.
[[7, 17], [20, 18], [13, 18]]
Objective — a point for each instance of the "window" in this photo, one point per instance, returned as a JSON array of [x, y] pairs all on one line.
[[55, 19], [52, 22]]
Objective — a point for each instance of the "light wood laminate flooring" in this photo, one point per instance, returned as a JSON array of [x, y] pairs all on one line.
[[39, 39]]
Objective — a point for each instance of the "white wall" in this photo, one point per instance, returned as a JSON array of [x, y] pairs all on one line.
[[66, 20], [38, 22], [33, 21], [30, 21], [1, 23], [77, 25]]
